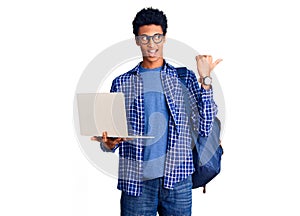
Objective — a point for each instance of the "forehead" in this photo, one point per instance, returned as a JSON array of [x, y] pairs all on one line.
[[150, 29]]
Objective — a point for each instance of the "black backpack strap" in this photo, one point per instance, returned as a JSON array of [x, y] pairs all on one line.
[[181, 72]]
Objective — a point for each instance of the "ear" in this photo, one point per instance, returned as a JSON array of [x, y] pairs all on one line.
[[164, 39]]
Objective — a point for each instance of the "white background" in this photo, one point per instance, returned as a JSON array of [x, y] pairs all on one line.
[[46, 45]]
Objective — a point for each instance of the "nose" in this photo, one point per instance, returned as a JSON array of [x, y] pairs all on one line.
[[151, 43]]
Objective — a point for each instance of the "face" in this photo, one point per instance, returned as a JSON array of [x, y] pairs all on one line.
[[153, 50]]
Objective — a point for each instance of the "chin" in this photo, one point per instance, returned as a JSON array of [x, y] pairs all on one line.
[[153, 58]]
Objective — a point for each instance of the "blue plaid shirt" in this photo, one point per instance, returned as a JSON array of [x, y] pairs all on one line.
[[179, 161]]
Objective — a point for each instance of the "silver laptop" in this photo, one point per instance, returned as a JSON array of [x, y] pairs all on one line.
[[99, 112]]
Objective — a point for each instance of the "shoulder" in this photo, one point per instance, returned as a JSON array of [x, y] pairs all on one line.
[[185, 74], [123, 78], [128, 74], [187, 71]]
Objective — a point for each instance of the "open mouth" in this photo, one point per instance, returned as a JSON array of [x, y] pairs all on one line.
[[152, 53]]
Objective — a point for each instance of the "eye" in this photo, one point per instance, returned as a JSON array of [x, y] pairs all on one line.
[[144, 38], [157, 37]]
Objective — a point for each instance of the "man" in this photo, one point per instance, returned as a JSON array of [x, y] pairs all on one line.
[[155, 174]]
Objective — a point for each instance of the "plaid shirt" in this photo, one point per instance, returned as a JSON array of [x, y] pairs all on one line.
[[179, 161]]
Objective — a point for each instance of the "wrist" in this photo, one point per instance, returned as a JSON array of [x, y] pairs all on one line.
[[104, 147], [205, 82], [206, 87]]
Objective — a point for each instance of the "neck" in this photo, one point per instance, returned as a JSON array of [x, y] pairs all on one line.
[[152, 64]]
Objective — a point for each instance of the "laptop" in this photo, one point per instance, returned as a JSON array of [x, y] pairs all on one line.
[[99, 112]]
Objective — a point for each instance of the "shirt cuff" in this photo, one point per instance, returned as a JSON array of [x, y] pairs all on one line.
[[207, 95], [104, 147]]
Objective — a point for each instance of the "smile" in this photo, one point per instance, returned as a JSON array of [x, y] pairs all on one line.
[[152, 53]]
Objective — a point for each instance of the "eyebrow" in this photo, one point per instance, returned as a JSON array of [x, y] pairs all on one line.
[[151, 35]]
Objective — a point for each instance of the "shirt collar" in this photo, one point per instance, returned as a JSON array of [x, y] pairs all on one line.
[[166, 68]]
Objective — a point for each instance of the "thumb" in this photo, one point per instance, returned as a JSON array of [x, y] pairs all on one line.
[[217, 62]]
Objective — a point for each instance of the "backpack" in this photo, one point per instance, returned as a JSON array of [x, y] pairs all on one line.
[[207, 151]]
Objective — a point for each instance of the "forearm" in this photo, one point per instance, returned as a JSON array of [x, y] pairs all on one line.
[[207, 110]]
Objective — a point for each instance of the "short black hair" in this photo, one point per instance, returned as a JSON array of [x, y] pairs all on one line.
[[149, 16]]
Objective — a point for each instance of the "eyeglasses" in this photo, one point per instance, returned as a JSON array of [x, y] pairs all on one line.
[[145, 39]]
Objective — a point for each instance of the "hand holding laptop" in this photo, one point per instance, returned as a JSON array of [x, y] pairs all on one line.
[[110, 142]]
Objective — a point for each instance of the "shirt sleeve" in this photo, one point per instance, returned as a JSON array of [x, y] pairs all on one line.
[[106, 149], [206, 106], [208, 111]]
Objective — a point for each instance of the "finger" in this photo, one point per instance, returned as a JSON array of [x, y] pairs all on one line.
[[206, 58], [198, 57], [104, 136], [94, 138], [117, 140], [217, 62], [127, 139], [209, 58]]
